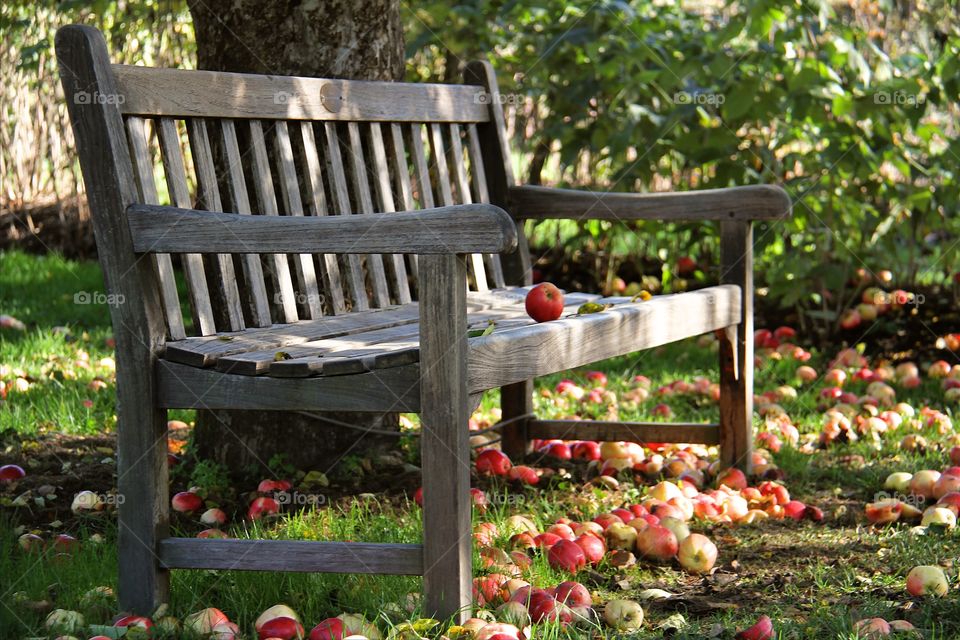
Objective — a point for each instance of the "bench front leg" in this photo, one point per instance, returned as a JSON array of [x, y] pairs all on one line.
[[736, 348], [445, 444]]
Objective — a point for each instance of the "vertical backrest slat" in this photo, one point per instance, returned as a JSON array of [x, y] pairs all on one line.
[[364, 200], [495, 151], [483, 196], [279, 267], [290, 190], [439, 157], [176, 175], [341, 206], [475, 260], [313, 178], [163, 265], [224, 276], [420, 166], [385, 197], [404, 187], [259, 303]]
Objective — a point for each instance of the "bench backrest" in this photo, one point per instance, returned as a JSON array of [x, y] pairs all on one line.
[[277, 145]]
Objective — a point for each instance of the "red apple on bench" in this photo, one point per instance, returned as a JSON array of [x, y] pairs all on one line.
[[544, 302]]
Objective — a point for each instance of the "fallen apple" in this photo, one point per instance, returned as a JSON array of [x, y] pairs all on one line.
[[11, 472], [697, 553], [283, 628], [657, 543], [186, 502], [761, 630], [623, 615], [568, 556], [544, 302], [927, 580], [573, 594], [261, 507], [493, 462]]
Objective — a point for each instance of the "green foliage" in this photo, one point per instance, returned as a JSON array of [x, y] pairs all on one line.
[[853, 110]]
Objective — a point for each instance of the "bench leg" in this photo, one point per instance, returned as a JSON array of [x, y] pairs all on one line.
[[516, 400], [142, 482], [445, 444], [736, 349]]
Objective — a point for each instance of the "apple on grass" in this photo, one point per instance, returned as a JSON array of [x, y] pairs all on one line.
[[544, 302], [623, 615], [493, 462], [282, 627], [927, 580], [568, 556], [762, 630], [573, 594], [697, 553]]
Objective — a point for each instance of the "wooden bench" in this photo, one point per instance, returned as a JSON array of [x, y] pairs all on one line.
[[301, 299]]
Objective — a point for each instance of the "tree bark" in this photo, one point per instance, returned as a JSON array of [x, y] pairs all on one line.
[[359, 39]]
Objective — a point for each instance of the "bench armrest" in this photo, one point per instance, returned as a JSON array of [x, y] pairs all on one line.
[[468, 228], [759, 202]]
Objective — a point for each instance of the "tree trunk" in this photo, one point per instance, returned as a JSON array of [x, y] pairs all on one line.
[[360, 39]]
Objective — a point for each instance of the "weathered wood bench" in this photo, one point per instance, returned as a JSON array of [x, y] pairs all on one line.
[[314, 303]]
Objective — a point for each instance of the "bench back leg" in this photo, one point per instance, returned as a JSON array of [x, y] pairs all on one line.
[[445, 445], [736, 349], [516, 400]]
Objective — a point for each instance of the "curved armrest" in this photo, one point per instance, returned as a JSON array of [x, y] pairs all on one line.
[[468, 228], [759, 202]]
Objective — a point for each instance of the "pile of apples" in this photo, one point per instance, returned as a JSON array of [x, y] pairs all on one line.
[[919, 489], [875, 302]]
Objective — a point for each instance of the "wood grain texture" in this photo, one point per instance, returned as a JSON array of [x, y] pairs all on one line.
[[182, 93], [462, 183], [258, 302], [175, 173], [143, 171], [444, 440], [138, 324], [304, 556], [304, 269], [482, 194], [498, 167], [223, 280], [460, 229], [313, 179], [516, 400], [624, 431], [736, 349], [206, 351], [384, 190], [364, 200], [341, 207], [758, 202], [404, 187], [185, 387], [520, 354], [278, 267]]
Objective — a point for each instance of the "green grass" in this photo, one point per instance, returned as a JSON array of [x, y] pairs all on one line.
[[814, 580]]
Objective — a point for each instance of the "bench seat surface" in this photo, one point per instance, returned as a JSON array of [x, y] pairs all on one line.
[[516, 348]]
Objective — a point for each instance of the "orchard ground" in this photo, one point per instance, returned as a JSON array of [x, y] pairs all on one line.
[[814, 579]]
